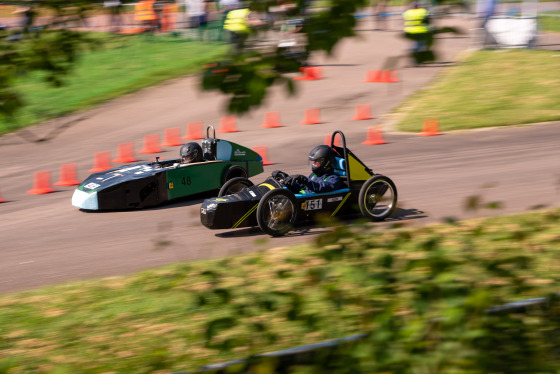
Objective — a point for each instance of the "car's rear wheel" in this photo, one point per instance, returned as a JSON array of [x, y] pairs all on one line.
[[235, 171], [234, 185], [378, 198], [277, 212]]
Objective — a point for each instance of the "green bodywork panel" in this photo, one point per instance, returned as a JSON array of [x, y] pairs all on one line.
[[200, 177], [208, 175]]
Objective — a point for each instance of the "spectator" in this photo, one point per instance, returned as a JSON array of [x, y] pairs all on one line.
[[239, 23], [27, 21], [158, 12], [145, 15], [195, 12], [417, 29], [114, 7], [380, 14]]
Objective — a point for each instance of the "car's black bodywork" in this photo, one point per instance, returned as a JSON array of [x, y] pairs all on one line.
[[275, 209]]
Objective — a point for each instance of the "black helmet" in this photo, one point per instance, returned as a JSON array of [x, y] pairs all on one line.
[[320, 159], [191, 152]]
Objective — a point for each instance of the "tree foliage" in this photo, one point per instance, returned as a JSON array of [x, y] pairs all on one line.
[[48, 47], [246, 75], [424, 309]]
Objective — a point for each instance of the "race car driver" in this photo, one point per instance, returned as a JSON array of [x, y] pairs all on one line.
[[191, 152], [322, 178]]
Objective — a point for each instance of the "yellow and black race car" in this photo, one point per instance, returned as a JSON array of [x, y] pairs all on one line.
[[276, 210]]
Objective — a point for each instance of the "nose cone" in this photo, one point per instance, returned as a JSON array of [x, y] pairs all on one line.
[[84, 200]]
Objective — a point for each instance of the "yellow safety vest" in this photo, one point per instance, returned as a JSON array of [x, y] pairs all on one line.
[[414, 21], [235, 20]]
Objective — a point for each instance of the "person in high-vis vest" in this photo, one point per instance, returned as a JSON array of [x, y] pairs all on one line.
[[238, 24], [417, 27], [144, 13]]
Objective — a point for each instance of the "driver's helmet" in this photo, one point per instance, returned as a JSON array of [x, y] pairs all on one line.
[[320, 159], [191, 152]]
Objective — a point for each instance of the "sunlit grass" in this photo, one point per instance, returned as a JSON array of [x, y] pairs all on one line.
[[489, 88], [121, 67], [549, 21], [158, 319]]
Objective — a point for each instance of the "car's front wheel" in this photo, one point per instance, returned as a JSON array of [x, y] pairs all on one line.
[[277, 212], [378, 198], [234, 185]]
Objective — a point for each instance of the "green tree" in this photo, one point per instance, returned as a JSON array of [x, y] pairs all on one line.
[[246, 75], [50, 48]]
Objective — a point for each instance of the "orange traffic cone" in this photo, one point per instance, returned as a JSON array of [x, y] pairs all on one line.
[[393, 77], [317, 71], [311, 117], [151, 144], [41, 184], [328, 139], [125, 153], [373, 76], [67, 175], [310, 73], [430, 127], [388, 76], [374, 136], [385, 76], [271, 119], [227, 124], [2, 200], [262, 151], [362, 112], [101, 162], [171, 138], [194, 131]]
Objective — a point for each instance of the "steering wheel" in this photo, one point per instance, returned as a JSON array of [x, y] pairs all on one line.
[[279, 176]]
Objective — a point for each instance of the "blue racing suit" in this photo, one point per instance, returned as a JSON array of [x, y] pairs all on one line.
[[324, 183]]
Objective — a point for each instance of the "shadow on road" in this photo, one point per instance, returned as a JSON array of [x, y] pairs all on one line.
[[256, 231], [399, 215], [406, 214]]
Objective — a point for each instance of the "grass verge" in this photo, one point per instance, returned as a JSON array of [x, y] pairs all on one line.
[[122, 66], [549, 21], [489, 88], [181, 316]]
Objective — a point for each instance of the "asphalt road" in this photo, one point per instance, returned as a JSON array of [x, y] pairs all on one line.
[[46, 241]]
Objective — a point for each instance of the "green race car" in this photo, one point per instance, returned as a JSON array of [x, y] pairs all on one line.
[[152, 183]]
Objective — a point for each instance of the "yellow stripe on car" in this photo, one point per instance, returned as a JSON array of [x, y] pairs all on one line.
[[270, 186], [245, 216], [341, 203]]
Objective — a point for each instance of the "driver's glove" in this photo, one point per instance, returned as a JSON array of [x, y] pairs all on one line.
[[295, 182], [301, 179]]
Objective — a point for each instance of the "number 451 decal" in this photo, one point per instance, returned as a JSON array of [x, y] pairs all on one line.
[[312, 204]]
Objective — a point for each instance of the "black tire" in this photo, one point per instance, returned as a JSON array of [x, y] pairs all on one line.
[[235, 171], [277, 212], [374, 201], [234, 185]]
